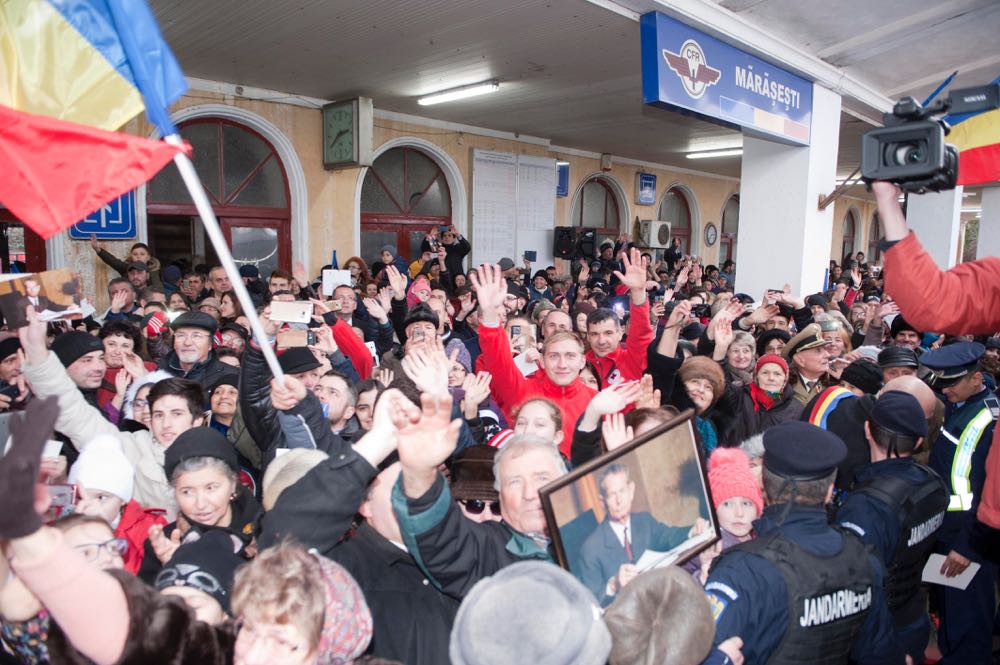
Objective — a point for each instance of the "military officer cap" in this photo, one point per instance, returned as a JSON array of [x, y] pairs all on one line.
[[899, 413], [811, 337], [949, 364], [800, 451], [897, 356]]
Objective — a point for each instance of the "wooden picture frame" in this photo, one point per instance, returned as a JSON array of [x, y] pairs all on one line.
[[658, 479]]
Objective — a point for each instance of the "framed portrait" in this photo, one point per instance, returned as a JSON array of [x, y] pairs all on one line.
[[642, 506], [55, 295]]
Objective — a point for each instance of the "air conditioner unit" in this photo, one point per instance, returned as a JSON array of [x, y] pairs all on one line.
[[653, 234]]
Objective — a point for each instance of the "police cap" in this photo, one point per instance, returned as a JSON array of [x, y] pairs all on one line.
[[897, 356], [950, 363], [801, 451], [899, 413]]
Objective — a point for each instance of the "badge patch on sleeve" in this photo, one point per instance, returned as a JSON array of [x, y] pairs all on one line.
[[717, 605]]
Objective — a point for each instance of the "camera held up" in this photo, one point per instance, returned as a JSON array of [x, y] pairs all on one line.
[[910, 150]]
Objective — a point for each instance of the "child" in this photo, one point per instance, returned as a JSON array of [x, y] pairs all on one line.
[[738, 502]]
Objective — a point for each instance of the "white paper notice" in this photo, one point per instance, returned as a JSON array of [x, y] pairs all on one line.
[[932, 573], [526, 366], [334, 278]]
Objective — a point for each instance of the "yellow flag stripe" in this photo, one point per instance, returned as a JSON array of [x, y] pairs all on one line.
[[48, 68], [976, 132]]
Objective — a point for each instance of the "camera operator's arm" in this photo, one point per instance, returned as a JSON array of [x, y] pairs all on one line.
[[959, 301]]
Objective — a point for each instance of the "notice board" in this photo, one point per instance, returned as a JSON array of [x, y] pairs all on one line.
[[513, 207]]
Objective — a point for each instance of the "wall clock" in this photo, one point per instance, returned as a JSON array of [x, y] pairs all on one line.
[[711, 234], [347, 133]]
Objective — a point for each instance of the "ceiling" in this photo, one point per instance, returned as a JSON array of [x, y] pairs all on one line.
[[569, 69]]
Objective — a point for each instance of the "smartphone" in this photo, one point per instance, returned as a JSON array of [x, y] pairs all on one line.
[[417, 336], [63, 499], [515, 330], [288, 339], [531, 255], [10, 391], [993, 404], [701, 311], [443, 229], [657, 300], [295, 311]]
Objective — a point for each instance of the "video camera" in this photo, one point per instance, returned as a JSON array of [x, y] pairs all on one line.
[[910, 150]]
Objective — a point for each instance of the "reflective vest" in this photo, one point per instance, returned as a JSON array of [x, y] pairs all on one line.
[[961, 464], [828, 598], [920, 509]]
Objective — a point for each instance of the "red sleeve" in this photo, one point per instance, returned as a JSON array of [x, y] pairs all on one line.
[[851, 295], [960, 301], [353, 348], [508, 385], [989, 505], [640, 336]]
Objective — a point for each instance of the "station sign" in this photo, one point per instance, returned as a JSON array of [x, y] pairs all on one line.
[[686, 70], [115, 220]]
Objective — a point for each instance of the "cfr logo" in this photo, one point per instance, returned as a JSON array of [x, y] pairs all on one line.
[[690, 65]]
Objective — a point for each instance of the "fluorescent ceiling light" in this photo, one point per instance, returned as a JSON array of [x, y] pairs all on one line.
[[460, 93], [708, 154], [562, 162]]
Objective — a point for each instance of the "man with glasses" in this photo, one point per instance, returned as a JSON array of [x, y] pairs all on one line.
[[192, 356], [357, 316]]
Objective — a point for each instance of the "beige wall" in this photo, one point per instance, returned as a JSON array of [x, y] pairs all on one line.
[[332, 195], [865, 210]]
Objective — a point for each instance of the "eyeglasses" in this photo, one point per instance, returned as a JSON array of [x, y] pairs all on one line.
[[193, 336], [91, 551], [140, 404], [274, 645], [183, 576], [476, 506]]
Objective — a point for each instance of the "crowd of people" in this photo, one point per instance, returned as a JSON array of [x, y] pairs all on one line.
[[379, 502]]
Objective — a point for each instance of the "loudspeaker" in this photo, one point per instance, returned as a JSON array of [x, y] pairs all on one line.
[[564, 242], [586, 243]]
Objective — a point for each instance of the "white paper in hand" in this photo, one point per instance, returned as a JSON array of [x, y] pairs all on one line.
[[334, 278], [932, 573]]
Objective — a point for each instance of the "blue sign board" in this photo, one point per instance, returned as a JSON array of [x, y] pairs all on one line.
[[686, 70], [115, 220], [645, 189], [562, 179]]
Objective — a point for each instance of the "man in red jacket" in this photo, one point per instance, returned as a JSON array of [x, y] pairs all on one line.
[[614, 362], [561, 360], [960, 301]]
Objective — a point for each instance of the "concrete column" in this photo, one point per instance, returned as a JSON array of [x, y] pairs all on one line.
[[936, 218], [989, 224], [783, 235]]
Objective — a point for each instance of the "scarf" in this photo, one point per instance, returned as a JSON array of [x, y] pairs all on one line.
[[709, 438], [762, 398]]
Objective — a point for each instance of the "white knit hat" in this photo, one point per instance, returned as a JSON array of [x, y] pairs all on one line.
[[103, 466]]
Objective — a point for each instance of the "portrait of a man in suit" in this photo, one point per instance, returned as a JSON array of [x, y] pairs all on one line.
[[33, 291], [608, 555]]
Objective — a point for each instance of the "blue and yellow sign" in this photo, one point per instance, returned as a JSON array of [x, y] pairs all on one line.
[[684, 69]]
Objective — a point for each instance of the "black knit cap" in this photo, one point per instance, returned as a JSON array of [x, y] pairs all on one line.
[[9, 347], [421, 312], [200, 442], [863, 374], [71, 346], [207, 564], [297, 360], [768, 335], [899, 324]]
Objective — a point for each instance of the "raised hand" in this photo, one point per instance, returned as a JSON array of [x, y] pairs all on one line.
[[94, 243], [133, 364], [634, 276], [385, 299], [584, 271], [760, 315], [300, 274], [270, 327], [428, 366], [426, 438], [397, 281], [163, 546], [384, 376], [374, 308], [614, 432], [34, 337], [614, 398], [679, 316], [648, 398], [122, 381], [22, 497], [324, 340], [491, 287], [477, 391], [118, 301]]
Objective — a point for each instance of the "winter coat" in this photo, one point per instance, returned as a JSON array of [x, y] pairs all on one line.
[[626, 363], [206, 373], [134, 527], [745, 421]]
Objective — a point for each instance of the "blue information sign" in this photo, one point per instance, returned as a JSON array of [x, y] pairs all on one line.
[[685, 69], [562, 179], [645, 189], [115, 220]]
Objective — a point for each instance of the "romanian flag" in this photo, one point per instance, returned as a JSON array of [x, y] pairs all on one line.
[[977, 137], [71, 73]]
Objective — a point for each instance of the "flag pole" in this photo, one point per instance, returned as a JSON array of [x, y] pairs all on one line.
[[211, 224]]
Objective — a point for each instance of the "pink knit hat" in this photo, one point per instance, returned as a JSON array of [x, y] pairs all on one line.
[[729, 475]]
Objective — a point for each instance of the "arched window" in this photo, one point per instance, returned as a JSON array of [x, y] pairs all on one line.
[[874, 254], [404, 194], [247, 185], [597, 206], [730, 228], [850, 227], [674, 208]]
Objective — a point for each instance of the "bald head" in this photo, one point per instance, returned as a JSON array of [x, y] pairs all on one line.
[[914, 386]]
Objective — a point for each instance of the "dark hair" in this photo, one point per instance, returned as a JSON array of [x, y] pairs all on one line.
[[351, 388], [226, 352], [368, 385], [283, 274], [149, 291], [237, 307], [190, 391], [183, 298], [123, 329], [809, 492], [600, 315], [121, 280]]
